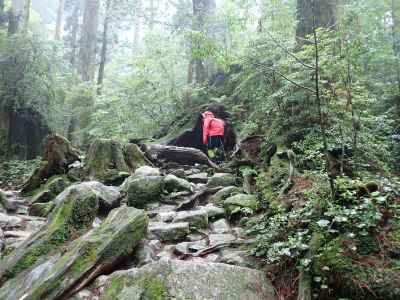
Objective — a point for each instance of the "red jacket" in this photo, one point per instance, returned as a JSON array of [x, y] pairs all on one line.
[[212, 126]]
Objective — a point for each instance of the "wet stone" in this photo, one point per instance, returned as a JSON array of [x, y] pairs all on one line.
[[198, 178], [221, 238], [196, 218], [169, 232], [221, 226]]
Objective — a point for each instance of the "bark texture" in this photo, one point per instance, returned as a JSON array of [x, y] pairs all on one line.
[[60, 15], [87, 52], [326, 16]]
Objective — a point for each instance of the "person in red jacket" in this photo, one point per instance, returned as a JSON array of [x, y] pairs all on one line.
[[213, 136]]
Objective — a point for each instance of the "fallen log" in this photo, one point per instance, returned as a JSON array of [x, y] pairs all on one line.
[[182, 155]]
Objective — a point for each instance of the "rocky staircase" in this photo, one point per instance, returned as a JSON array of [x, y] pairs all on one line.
[[191, 246]]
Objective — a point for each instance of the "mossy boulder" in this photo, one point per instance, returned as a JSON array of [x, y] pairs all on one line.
[[221, 179], [183, 280], [75, 210], [53, 187], [173, 183], [63, 273], [134, 157], [222, 195], [106, 162], [41, 209], [143, 190], [197, 219], [169, 231], [111, 162], [241, 201]]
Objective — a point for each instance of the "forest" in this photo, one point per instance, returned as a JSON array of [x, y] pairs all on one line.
[[199, 149]]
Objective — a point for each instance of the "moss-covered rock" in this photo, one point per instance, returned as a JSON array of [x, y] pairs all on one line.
[[221, 179], [143, 190], [75, 210], [5, 203], [222, 195], [173, 184], [65, 272], [169, 231], [197, 219], [106, 162], [134, 157], [58, 155], [51, 189], [183, 280], [41, 209], [241, 201]]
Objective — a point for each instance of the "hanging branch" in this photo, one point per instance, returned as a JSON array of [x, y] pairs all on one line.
[[289, 53]]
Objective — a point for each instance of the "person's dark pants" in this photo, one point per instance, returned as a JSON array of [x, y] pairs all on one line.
[[215, 148]]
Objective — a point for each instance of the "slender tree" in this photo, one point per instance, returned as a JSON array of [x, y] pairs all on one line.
[[202, 12], [103, 55], [137, 23], [60, 16], [74, 32], [321, 116], [396, 38], [27, 14]]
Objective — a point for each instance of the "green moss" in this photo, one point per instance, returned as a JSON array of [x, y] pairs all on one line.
[[69, 221], [154, 288]]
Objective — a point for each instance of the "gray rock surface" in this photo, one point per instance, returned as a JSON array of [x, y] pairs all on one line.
[[183, 280]]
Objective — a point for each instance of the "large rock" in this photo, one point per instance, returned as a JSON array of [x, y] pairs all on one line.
[[111, 162], [41, 209], [65, 272], [183, 280], [225, 193], [169, 232], [143, 190], [51, 189], [75, 211], [134, 157], [147, 171], [106, 162], [197, 219], [221, 179], [5, 203], [198, 178], [173, 183], [241, 201]]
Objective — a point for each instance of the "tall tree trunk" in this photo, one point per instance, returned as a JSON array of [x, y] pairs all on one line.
[[137, 23], [15, 15], [103, 58], [396, 38], [60, 15], [27, 14], [202, 12], [152, 14], [2, 15], [88, 43], [326, 16], [74, 33]]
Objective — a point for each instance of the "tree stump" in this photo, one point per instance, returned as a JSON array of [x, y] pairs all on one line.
[[58, 155]]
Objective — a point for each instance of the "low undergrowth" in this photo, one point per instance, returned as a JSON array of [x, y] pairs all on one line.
[[358, 231]]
